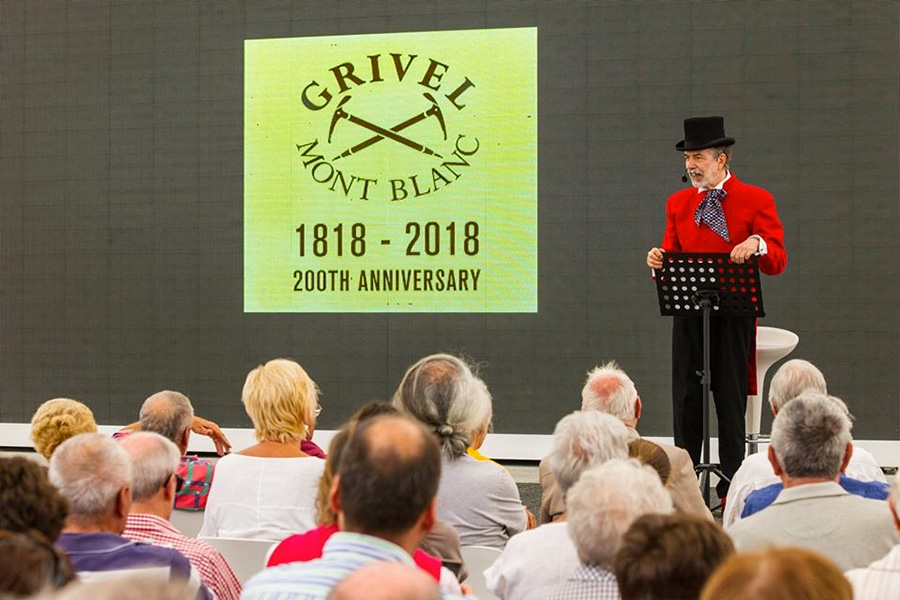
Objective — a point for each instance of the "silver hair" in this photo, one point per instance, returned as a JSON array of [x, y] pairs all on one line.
[[583, 439], [608, 389], [728, 151], [792, 379], [605, 501], [167, 413], [443, 393], [90, 470], [810, 435], [153, 459]]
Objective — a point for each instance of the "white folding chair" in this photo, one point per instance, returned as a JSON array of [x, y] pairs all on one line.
[[246, 557], [477, 560], [187, 522]]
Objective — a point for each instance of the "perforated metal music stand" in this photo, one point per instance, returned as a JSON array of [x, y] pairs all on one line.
[[708, 284]]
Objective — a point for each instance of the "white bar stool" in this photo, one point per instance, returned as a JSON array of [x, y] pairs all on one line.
[[772, 344]]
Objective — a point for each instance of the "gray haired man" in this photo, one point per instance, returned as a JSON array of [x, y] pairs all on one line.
[[810, 446]]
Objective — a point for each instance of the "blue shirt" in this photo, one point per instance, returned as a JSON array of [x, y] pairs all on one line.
[[94, 552], [763, 497], [343, 553]]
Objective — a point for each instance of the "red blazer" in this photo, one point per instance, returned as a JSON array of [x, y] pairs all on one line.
[[749, 210]]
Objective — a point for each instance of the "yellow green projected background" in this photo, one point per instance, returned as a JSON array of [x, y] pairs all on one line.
[[391, 173]]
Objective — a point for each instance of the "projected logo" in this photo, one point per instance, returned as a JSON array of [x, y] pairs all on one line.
[[422, 133], [391, 173]]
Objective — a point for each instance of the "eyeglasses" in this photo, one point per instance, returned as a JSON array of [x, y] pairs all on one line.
[[179, 483]]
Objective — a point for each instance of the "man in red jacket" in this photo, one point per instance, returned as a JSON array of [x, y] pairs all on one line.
[[718, 214]]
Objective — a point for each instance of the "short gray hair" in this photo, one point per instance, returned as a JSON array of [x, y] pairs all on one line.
[[792, 379], [810, 435], [154, 459], [90, 470], [167, 413], [583, 439], [728, 151], [605, 501], [441, 392], [608, 389]]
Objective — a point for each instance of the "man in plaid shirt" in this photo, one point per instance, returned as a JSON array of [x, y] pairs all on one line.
[[171, 415], [155, 461]]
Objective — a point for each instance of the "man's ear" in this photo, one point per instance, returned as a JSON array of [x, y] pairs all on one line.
[[334, 495], [429, 516], [169, 487], [185, 438], [848, 454], [123, 502], [773, 460], [890, 502], [637, 408]]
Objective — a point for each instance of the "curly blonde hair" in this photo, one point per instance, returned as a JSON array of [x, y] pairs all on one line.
[[57, 420], [280, 398]]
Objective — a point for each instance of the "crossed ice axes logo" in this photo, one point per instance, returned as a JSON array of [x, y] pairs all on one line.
[[393, 133]]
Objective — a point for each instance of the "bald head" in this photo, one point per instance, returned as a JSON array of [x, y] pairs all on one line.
[[386, 581], [169, 414], [608, 389], [388, 475]]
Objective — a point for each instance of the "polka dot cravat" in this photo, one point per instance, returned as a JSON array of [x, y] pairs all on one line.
[[710, 212]]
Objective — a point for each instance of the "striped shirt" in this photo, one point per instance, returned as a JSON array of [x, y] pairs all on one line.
[[588, 583], [343, 553], [880, 580], [210, 564]]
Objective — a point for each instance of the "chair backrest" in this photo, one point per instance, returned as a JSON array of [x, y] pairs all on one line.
[[246, 557], [477, 560], [187, 522]]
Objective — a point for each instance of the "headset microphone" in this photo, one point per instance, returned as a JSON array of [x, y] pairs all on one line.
[[684, 178]]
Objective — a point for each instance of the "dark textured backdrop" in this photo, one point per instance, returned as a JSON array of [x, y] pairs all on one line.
[[121, 216]]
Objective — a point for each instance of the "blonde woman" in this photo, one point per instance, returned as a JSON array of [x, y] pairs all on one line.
[[268, 491], [57, 420]]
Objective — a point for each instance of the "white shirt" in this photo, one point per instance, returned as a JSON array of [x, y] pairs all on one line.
[[756, 473], [532, 562], [262, 498], [878, 581]]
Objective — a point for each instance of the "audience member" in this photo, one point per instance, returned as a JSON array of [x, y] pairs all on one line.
[[308, 546], [268, 491], [669, 557], [652, 455], [777, 574], [478, 498], [57, 420], [171, 415], [30, 564], [790, 380], [155, 462], [810, 445], [881, 579], [608, 389], [28, 501], [94, 474], [386, 581], [384, 495], [540, 559], [600, 508]]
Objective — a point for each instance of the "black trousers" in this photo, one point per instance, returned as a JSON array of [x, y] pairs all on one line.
[[730, 340]]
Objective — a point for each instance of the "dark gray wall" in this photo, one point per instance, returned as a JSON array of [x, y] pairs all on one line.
[[121, 216]]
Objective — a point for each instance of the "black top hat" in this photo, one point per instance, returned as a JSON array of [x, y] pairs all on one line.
[[704, 132]]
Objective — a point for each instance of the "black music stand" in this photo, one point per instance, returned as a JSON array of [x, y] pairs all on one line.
[[705, 284]]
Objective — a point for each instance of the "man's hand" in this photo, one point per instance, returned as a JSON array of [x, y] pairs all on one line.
[[201, 426], [745, 250], [654, 258]]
